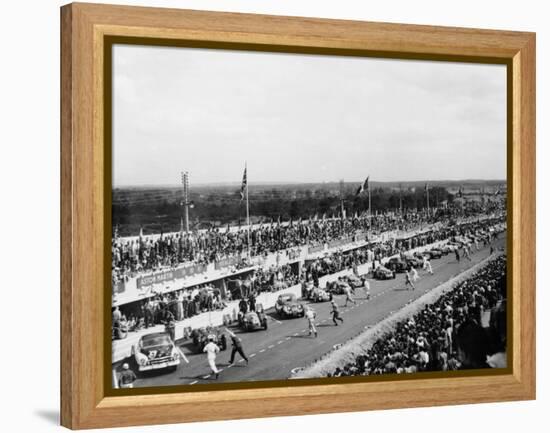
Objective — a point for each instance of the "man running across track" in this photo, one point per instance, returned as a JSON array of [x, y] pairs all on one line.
[[427, 266], [211, 349], [347, 291], [408, 281], [310, 316], [414, 273], [237, 347], [366, 287], [335, 313]]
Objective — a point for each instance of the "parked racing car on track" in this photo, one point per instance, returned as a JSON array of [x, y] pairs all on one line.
[[395, 264], [434, 253], [414, 261], [320, 295], [382, 273], [288, 306], [354, 281], [338, 287], [200, 337], [253, 320], [156, 351]]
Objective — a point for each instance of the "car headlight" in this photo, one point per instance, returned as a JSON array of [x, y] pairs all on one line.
[[142, 361], [175, 354]]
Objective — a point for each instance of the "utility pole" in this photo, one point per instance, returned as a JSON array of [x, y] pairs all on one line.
[[185, 202]]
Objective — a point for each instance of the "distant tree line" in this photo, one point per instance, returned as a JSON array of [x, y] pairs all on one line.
[[165, 215]]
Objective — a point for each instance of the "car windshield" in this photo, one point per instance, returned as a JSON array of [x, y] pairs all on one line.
[[157, 340]]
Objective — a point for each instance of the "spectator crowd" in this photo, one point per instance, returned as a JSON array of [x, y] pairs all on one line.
[[131, 257], [464, 329]]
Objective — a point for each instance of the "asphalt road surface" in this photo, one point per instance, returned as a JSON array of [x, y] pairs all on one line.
[[286, 344]]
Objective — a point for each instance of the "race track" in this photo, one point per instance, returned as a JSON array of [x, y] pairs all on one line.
[[286, 344]]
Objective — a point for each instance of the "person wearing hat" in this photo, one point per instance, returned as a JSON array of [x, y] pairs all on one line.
[[127, 377], [211, 349], [335, 313]]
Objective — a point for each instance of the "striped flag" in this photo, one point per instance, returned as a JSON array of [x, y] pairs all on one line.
[[364, 186], [244, 185]]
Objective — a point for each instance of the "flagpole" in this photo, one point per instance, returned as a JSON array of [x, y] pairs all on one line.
[[428, 198], [247, 214], [370, 213]]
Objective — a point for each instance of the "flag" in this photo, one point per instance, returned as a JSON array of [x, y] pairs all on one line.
[[426, 187], [244, 185], [364, 186], [140, 232], [497, 192], [459, 193]]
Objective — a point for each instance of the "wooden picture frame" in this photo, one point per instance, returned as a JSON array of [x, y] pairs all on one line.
[[85, 28]]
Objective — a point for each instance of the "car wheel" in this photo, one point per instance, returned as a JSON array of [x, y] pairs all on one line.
[[265, 324]]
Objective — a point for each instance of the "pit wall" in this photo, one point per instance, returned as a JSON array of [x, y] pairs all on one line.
[[360, 344], [122, 348]]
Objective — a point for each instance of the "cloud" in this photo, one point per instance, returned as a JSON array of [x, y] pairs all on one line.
[[301, 118]]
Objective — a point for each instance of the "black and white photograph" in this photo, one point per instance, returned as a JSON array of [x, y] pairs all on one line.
[[280, 216]]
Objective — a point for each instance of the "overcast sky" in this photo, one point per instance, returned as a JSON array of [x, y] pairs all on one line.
[[302, 118]]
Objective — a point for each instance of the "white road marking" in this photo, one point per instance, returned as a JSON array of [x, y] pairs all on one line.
[[252, 355], [280, 342], [206, 377], [262, 350], [270, 347], [192, 383], [295, 334], [287, 338]]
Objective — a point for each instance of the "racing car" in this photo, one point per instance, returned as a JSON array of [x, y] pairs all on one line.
[[354, 281], [338, 287], [383, 273], [448, 248], [434, 253], [200, 337], [320, 295], [156, 351], [253, 320], [414, 261], [288, 306], [395, 264]]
